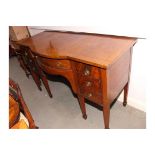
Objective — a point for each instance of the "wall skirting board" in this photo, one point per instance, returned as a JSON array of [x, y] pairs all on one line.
[[134, 103]]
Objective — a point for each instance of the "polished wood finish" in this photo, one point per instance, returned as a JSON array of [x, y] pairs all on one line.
[[28, 61], [64, 69], [97, 66], [13, 112], [15, 93], [83, 106], [21, 124], [97, 50], [58, 64], [88, 78], [126, 88], [118, 75]]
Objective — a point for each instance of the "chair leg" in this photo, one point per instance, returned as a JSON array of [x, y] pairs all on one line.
[[36, 80], [45, 82], [23, 66]]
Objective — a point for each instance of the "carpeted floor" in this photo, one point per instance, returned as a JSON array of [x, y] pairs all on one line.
[[63, 111]]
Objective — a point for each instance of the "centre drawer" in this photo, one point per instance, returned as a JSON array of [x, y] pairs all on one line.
[[56, 63]]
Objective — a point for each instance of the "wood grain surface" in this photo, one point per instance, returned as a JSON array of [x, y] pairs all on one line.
[[98, 50]]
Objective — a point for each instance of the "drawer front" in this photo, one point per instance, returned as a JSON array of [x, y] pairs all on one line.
[[87, 85], [93, 97], [88, 78], [59, 63], [91, 89], [87, 70]]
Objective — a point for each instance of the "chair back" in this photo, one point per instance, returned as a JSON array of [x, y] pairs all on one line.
[[15, 93]]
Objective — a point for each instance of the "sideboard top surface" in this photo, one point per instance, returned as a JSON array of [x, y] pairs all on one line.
[[98, 50]]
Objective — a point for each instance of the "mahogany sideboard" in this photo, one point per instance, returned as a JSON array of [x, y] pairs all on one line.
[[97, 66]]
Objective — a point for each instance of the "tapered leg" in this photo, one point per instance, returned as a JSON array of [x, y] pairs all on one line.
[[125, 94], [106, 115], [83, 107], [36, 80], [45, 82], [23, 66]]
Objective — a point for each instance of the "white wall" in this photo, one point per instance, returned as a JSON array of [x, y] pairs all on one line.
[[137, 92], [93, 29]]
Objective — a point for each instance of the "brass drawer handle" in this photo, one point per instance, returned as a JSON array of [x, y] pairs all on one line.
[[59, 64], [90, 95], [87, 72], [88, 84]]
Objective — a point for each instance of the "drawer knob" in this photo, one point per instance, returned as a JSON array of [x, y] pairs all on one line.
[[90, 95], [87, 72], [59, 64], [88, 84]]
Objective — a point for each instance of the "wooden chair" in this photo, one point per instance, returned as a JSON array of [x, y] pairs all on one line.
[[15, 93], [17, 33], [30, 65]]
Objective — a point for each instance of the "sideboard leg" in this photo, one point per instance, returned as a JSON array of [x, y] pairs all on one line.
[[125, 94], [83, 107], [106, 115]]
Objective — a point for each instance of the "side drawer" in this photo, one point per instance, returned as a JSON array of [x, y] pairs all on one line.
[[87, 70], [93, 97], [89, 82], [89, 85]]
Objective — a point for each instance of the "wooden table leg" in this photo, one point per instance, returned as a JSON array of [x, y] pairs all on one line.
[[126, 88], [106, 115], [83, 107]]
